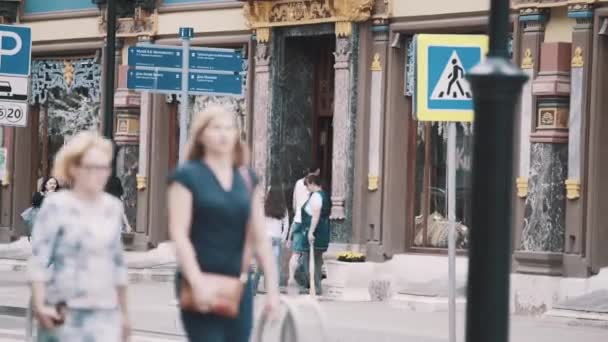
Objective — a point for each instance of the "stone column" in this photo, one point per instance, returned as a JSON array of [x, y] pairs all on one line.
[[582, 43], [126, 108], [533, 23], [377, 94], [342, 128], [542, 241], [140, 239], [261, 105]]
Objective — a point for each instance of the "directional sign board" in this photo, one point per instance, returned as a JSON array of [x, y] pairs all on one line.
[[155, 56], [15, 50], [219, 84], [215, 59], [155, 81], [442, 92], [158, 68]]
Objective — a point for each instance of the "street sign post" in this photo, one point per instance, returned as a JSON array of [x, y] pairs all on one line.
[[187, 71], [15, 61], [443, 94]]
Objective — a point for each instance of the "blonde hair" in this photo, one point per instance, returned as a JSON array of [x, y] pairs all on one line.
[[71, 153], [195, 150]]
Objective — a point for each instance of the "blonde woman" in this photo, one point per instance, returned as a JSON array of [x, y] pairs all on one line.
[[214, 204], [82, 296]]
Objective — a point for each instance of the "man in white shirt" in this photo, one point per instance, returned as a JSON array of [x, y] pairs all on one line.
[[300, 196]]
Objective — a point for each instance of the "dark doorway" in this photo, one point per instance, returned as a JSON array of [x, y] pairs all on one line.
[[304, 94]]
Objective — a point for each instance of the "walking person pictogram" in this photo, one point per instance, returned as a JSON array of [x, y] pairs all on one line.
[[452, 85], [455, 77]]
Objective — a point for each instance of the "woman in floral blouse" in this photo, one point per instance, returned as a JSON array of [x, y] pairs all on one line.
[[82, 295]]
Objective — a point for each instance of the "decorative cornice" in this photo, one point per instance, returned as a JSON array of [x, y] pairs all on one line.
[[517, 4], [278, 13], [532, 14]]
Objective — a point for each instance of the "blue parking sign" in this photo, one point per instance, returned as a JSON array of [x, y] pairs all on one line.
[[15, 50]]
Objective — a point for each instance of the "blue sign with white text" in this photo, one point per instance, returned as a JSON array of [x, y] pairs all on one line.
[[447, 67], [218, 84], [15, 50], [155, 81], [215, 59], [155, 57]]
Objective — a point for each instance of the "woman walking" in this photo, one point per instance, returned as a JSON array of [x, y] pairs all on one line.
[[216, 221], [313, 233], [82, 297], [277, 227], [47, 187]]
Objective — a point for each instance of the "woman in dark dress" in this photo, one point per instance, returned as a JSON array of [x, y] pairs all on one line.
[[212, 206]]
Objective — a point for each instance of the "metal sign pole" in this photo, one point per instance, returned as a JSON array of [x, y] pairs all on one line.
[[451, 187], [185, 33]]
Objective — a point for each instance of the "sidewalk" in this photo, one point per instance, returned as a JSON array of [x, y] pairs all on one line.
[[153, 310]]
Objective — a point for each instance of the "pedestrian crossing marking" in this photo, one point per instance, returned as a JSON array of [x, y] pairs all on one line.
[[452, 85], [16, 335], [442, 92]]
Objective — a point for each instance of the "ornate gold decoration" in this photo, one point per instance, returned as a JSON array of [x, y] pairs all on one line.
[[527, 62], [573, 189], [68, 72], [577, 59], [344, 28], [372, 182], [553, 118], [262, 34], [522, 187], [547, 117], [376, 66], [141, 182], [143, 23], [301, 12]]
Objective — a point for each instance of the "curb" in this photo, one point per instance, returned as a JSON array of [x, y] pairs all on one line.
[[136, 274], [14, 311]]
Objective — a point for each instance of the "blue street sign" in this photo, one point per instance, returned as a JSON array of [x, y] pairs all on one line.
[[216, 59], [15, 50], [156, 81], [155, 56], [442, 61], [219, 84]]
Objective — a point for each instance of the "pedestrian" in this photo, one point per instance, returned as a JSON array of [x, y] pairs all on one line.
[[82, 297], [114, 187], [48, 186], [300, 196], [216, 221], [313, 234], [277, 226]]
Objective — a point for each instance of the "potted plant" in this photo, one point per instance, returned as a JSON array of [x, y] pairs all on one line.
[[349, 256]]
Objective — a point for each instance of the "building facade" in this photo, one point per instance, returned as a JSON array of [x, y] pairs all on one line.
[[329, 83]]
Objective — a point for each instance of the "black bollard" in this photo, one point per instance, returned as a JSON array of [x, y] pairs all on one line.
[[496, 86]]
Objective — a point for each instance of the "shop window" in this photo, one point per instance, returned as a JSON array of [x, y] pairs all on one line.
[[431, 225]]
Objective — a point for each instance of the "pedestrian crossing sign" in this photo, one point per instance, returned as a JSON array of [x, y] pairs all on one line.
[[442, 61]]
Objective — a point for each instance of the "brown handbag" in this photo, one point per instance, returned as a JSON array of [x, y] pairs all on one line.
[[228, 290]]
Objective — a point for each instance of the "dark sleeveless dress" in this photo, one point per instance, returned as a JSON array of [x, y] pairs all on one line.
[[219, 220]]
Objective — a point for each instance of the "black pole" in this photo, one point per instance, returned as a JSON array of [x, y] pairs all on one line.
[[496, 85], [110, 67]]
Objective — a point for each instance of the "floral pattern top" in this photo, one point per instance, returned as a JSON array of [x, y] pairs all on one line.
[[77, 251]]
